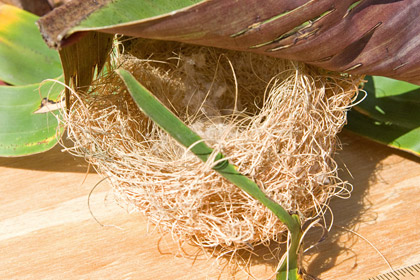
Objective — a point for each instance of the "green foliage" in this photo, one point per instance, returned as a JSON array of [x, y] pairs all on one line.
[[25, 62], [390, 114], [24, 57], [129, 11], [23, 132]]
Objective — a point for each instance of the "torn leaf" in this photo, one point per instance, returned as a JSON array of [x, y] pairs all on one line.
[[48, 105]]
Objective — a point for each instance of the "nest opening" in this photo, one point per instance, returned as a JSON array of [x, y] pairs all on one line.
[[276, 120]]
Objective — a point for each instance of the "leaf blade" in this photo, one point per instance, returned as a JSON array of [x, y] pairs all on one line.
[[22, 131], [390, 114], [152, 107], [189, 139], [24, 60]]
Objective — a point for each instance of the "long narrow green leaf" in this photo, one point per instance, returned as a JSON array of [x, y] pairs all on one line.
[[22, 130], [185, 136], [24, 57], [390, 114]]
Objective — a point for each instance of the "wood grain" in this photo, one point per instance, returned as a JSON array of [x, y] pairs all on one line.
[[48, 232]]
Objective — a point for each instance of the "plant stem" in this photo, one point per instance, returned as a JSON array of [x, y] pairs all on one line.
[[289, 269], [156, 111]]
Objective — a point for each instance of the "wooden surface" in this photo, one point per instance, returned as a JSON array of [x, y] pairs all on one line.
[[47, 231]]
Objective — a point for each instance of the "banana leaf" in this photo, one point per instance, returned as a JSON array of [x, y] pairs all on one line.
[[390, 114], [27, 123], [24, 58], [346, 36]]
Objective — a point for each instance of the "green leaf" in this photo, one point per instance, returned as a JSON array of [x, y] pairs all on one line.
[[24, 57], [121, 12], [385, 87], [390, 114], [155, 110], [189, 139], [25, 61], [22, 130]]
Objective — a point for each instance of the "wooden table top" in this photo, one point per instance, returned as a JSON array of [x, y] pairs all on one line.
[[48, 232]]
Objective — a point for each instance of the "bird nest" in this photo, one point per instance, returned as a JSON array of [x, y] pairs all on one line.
[[275, 120]]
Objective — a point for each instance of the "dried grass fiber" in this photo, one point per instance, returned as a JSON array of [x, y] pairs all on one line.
[[276, 120]]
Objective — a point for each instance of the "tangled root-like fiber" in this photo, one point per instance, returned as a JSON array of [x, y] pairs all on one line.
[[276, 120]]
